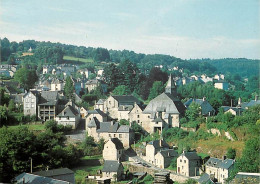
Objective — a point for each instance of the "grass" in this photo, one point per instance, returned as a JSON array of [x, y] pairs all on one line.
[[71, 58], [172, 168], [37, 127], [86, 167]]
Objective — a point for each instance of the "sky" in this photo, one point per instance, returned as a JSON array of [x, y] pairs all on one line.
[[181, 28]]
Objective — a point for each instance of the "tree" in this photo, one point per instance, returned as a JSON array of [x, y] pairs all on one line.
[[121, 90], [69, 88], [193, 111], [157, 89], [231, 153], [26, 77], [3, 115], [11, 105], [250, 159]]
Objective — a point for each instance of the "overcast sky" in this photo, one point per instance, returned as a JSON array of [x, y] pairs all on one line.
[[181, 28]]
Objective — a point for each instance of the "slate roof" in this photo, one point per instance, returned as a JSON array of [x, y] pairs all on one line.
[[156, 144], [123, 129], [166, 102], [97, 111], [54, 172], [125, 98], [236, 109], [32, 179], [108, 127], [205, 179], [118, 143], [100, 101], [111, 166], [168, 153], [191, 155], [204, 104], [49, 95], [68, 111], [94, 123], [218, 163], [252, 103]]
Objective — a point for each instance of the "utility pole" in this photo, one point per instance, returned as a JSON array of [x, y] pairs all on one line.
[[31, 164]]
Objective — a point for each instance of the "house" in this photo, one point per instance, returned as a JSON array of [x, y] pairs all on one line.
[[152, 148], [63, 174], [47, 106], [206, 108], [236, 111], [163, 158], [100, 104], [107, 130], [30, 103], [118, 106], [85, 72], [221, 84], [29, 178], [219, 168], [94, 83], [47, 69], [252, 103], [113, 150], [83, 112], [164, 111], [57, 84], [188, 164], [100, 115], [219, 77], [69, 115], [136, 114], [113, 169]]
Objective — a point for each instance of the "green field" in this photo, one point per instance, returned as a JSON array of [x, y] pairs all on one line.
[[71, 58], [37, 127]]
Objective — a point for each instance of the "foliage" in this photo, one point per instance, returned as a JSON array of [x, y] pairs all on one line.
[[156, 89], [231, 153], [123, 122], [26, 77], [173, 163], [11, 105], [121, 90], [69, 88], [54, 127], [193, 112]]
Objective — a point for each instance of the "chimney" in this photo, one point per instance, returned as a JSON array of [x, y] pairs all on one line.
[[160, 142], [239, 101], [204, 99], [112, 123], [224, 157]]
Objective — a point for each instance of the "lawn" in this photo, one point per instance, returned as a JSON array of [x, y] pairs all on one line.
[[37, 127], [89, 165], [71, 58]]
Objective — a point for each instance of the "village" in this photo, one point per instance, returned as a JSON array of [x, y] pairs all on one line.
[[47, 102]]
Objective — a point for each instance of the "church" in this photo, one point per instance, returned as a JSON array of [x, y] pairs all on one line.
[[164, 111]]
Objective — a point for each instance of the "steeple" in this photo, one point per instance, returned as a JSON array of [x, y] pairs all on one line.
[[170, 87]]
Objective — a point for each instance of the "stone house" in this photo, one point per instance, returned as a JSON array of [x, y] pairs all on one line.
[[83, 112], [107, 130], [164, 111], [113, 169], [188, 164], [85, 72], [236, 111], [206, 108], [94, 83], [69, 115], [47, 69], [219, 168], [100, 115], [152, 148], [57, 85], [113, 150], [221, 85], [118, 106], [163, 158], [30, 102], [47, 106], [136, 114], [100, 104]]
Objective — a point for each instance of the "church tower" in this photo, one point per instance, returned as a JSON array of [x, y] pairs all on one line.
[[170, 87]]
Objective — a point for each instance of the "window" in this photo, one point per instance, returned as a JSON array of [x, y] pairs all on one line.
[[32, 100], [138, 121], [180, 160], [182, 167], [109, 102], [119, 152], [184, 161], [109, 135], [32, 105], [114, 135], [120, 135], [148, 116], [137, 116], [68, 118], [59, 118]]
